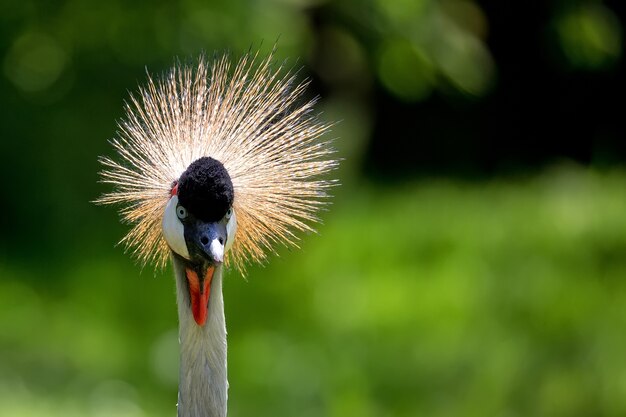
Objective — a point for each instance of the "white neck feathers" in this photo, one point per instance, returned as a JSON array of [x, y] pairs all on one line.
[[203, 384]]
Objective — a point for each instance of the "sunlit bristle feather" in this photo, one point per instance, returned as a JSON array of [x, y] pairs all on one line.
[[251, 119]]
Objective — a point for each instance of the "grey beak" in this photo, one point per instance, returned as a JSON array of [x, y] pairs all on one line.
[[206, 240]]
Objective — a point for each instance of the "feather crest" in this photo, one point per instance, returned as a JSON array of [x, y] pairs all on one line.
[[248, 118]]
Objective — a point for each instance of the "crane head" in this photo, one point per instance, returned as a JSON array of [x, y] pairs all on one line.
[[211, 140], [199, 226]]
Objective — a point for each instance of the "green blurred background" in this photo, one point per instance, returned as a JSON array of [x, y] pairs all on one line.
[[472, 262]]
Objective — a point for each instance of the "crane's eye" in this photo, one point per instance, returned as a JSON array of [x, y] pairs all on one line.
[[229, 213], [181, 212]]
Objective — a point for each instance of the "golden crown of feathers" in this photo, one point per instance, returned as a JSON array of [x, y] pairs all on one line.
[[251, 120]]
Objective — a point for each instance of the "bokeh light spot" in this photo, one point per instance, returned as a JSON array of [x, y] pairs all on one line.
[[403, 11], [590, 36], [34, 62], [405, 70], [464, 60], [468, 16], [342, 59]]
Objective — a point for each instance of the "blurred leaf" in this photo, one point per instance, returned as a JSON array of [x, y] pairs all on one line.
[[590, 36]]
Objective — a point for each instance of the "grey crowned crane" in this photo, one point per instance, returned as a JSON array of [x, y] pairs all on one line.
[[216, 165]]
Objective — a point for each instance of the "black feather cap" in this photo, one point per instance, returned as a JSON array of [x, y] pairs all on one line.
[[206, 190]]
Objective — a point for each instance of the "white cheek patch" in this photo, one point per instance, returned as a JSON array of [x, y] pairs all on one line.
[[231, 229], [173, 229]]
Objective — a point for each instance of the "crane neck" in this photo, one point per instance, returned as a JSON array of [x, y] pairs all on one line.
[[203, 384]]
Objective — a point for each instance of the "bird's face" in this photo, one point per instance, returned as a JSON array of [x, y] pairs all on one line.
[[199, 225]]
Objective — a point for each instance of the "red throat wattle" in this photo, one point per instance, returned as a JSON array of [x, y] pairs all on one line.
[[199, 293]]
